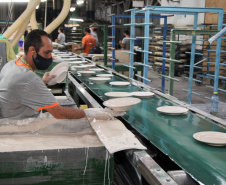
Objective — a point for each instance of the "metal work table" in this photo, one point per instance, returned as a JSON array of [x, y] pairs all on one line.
[[173, 135]]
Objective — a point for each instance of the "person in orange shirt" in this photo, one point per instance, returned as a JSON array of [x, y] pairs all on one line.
[[88, 41]]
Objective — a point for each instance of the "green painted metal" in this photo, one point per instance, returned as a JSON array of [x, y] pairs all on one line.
[[173, 135]]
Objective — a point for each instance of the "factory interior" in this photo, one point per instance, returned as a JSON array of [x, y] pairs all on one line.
[[113, 92]]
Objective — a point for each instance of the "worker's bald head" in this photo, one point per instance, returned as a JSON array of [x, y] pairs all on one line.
[[34, 38]]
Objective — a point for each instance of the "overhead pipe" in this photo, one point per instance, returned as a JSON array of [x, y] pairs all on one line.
[[33, 21], [21, 29], [63, 14], [25, 16]]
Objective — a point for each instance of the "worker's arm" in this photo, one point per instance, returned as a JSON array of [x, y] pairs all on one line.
[[80, 48], [60, 112], [122, 44]]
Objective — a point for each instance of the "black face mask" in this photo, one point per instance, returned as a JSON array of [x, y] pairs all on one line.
[[94, 29], [42, 63]]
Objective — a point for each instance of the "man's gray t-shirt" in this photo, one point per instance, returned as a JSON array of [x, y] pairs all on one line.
[[22, 93], [62, 38], [127, 43]]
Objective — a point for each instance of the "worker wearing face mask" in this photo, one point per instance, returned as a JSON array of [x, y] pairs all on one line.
[[61, 36], [93, 31], [23, 93]]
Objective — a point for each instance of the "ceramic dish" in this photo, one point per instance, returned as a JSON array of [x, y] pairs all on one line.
[[86, 73], [64, 55], [211, 138], [119, 83], [99, 80], [105, 75], [82, 67], [121, 104], [143, 94], [75, 63], [172, 110], [91, 65], [117, 94], [97, 70], [71, 59], [60, 70]]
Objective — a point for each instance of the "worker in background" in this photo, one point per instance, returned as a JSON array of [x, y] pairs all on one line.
[[24, 94], [88, 41], [125, 43], [93, 31], [61, 36]]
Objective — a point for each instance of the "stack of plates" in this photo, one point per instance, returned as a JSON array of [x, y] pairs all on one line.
[[172, 110], [75, 63], [119, 83]]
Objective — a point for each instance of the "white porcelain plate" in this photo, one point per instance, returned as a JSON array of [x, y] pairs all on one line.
[[60, 70], [211, 138], [119, 83], [86, 73], [71, 59], [172, 110], [64, 55], [99, 80], [118, 94], [96, 69], [79, 67], [143, 94], [75, 63], [121, 104], [105, 75]]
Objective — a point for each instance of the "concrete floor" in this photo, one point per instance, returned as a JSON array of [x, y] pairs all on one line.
[[197, 101]]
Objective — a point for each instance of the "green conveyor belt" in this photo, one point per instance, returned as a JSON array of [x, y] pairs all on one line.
[[173, 135]]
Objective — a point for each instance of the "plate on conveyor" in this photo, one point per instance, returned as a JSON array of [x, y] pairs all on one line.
[[71, 59], [118, 94], [173, 110], [211, 138], [121, 104], [99, 80], [119, 83], [143, 94], [105, 75], [96, 70]]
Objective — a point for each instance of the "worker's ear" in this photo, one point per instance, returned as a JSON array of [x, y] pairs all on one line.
[[32, 49]]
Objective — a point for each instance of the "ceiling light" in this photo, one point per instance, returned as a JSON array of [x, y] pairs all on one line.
[[74, 19], [37, 7], [72, 9], [79, 2]]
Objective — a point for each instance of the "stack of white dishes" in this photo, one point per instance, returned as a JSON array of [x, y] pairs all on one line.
[[86, 73], [121, 104], [75, 63], [99, 80]]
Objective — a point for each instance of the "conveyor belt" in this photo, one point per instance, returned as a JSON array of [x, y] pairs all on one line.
[[173, 135]]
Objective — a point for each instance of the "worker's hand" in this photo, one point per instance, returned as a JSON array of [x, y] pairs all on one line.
[[75, 49], [102, 114], [47, 77]]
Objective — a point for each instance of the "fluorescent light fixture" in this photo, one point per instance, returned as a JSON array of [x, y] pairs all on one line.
[[74, 19], [37, 7], [17, 1], [79, 2], [72, 9]]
